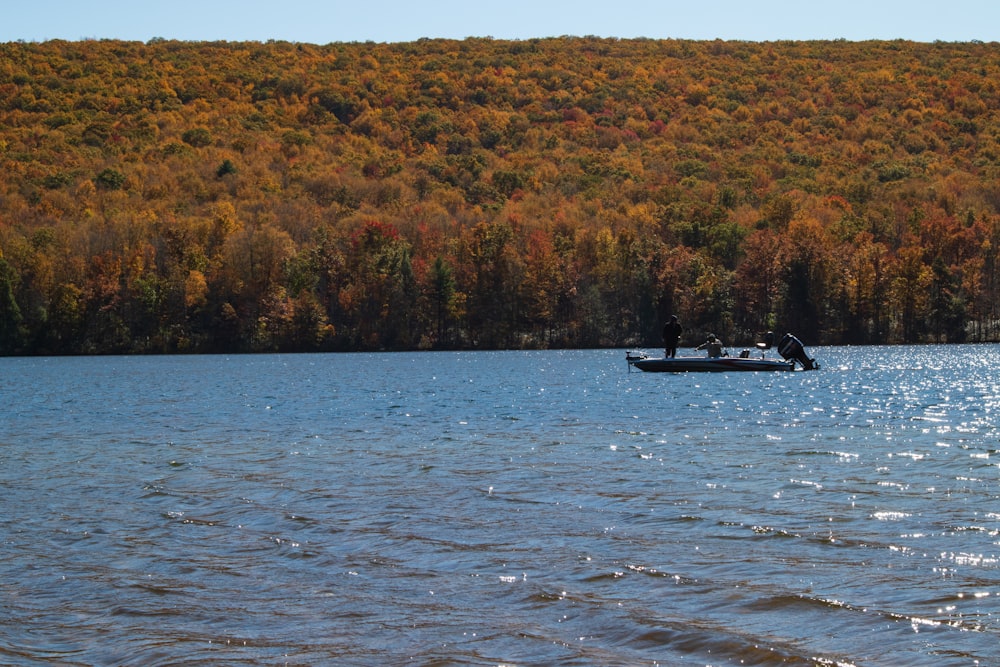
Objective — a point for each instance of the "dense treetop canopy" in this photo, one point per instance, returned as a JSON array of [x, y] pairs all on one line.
[[189, 196]]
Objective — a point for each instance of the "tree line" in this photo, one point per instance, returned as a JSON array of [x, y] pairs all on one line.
[[172, 196]]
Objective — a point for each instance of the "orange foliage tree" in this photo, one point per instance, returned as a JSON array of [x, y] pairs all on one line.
[[196, 196]]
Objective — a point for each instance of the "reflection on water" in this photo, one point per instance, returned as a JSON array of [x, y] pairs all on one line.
[[500, 508]]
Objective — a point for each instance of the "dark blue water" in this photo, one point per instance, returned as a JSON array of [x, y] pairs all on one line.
[[500, 508]]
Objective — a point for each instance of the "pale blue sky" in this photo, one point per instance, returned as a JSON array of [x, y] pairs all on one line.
[[325, 21]]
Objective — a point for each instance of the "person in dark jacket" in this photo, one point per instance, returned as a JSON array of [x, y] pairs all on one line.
[[672, 331]]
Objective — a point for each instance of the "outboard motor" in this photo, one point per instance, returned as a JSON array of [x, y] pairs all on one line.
[[791, 347]]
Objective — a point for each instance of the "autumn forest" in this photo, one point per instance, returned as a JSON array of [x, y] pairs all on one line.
[[564, 192]]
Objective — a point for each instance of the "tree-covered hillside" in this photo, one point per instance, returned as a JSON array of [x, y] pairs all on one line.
[[184, 196]]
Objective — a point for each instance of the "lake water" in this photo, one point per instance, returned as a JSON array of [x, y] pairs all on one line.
[[500, 508]]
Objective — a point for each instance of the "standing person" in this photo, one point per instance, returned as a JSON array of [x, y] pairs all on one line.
[[672, 331]]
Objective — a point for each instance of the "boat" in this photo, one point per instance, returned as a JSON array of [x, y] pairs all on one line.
[[706, 364], [790, 348]]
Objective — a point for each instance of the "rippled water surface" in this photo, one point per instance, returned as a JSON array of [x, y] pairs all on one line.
[[500, 508]]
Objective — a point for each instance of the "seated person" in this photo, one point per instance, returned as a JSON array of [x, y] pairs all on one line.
[[713, 345]]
